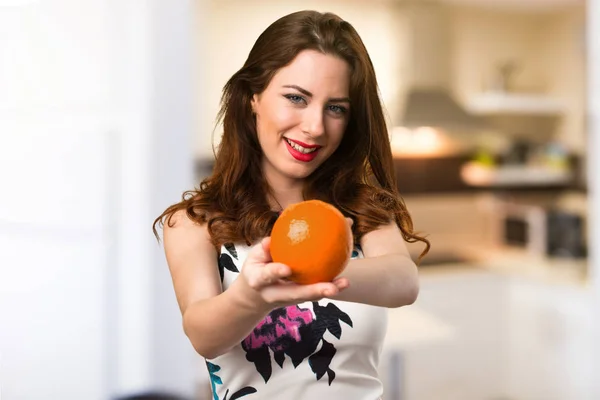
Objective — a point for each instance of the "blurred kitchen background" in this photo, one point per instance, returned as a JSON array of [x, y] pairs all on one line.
[[107, 113]]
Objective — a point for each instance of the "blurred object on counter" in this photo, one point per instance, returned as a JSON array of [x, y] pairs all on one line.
[[524, 163], [540, 229], [518, 153], [556, 156], [565, 235], [477, 175], [552, 154], [484, 158]]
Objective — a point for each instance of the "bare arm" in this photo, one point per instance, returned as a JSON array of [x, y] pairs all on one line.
[[215, 320], [387, 276], [208, 313]]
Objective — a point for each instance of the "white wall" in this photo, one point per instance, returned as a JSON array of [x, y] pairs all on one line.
[[54, 124], [593, 109], [174, 363], [95, 140]]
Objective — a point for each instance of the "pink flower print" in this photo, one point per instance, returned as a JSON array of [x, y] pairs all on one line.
[[294, 333], [279, 328]]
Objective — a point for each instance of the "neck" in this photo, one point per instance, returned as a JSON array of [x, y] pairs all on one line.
[[284, 191], [281, 198]]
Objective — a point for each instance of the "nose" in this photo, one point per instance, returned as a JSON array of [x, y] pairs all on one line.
[[313, 124]]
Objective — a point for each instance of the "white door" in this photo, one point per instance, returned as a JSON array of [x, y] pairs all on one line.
[[85, 308]]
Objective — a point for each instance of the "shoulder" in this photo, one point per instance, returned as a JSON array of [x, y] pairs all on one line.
[[180, 218], [182, 234], [180, 222]]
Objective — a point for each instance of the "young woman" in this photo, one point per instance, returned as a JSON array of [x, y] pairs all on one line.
[[302, 120]]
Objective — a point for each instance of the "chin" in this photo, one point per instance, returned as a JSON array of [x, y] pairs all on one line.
[[299, 173]]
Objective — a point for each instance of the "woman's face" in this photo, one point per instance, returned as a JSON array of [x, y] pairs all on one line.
[[302, 114]]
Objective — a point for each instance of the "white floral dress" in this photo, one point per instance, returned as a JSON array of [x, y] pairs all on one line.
[[315, 350]]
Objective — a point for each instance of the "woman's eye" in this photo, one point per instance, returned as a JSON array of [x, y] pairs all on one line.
[[295, 98], [338, 109]]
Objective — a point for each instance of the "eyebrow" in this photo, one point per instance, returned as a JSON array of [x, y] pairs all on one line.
[[309, 94]]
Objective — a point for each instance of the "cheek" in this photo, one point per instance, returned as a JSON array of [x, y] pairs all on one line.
[[284, 119], [276, 120], [336, 129]]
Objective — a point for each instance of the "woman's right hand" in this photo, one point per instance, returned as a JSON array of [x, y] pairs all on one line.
[[264, 282]]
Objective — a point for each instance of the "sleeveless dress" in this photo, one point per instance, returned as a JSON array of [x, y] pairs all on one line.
[[315, 350]]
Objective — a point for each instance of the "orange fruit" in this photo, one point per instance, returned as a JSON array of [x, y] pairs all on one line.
[[312, 238]]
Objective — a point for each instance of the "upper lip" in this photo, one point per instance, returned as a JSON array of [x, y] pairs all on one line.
[[305, 145]]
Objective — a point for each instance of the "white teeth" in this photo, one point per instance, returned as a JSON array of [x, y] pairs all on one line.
[[299, 148]]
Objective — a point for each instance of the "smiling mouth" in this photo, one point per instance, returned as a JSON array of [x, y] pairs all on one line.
[[306, 149]]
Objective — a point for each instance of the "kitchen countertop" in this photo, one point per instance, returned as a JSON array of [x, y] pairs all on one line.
[[410, 327], [424, 327], [504, 322]]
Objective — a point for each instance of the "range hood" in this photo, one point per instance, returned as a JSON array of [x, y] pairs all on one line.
[[429, 99]]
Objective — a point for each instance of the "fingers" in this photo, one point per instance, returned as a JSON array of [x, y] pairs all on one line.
[[272, 273], [350, 221], [261, 253], [341, 283], [266, 245], [296, 294], [266, 275], [313, 292]]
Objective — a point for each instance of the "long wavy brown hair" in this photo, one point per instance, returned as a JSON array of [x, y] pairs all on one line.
[[358, 178]]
